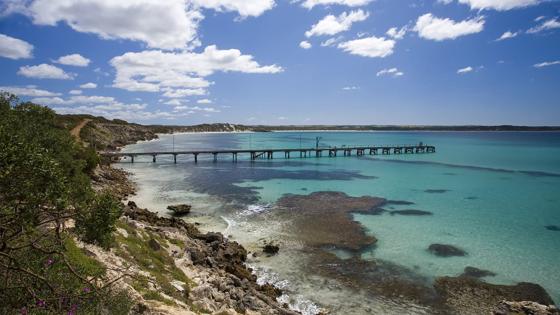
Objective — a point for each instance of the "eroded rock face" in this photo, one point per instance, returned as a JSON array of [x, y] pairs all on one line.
[[525, 308], [324, 218], [465, 295], [446, 250]]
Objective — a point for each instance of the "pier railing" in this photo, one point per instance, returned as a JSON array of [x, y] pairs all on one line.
[[255, 154]]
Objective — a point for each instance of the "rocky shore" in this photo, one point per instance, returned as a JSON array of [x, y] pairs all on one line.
[[170, 267]]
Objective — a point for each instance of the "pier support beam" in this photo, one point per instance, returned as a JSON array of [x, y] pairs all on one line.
[[154, 158], [215, 156], [132, 159], [196, 157], [175, 158]]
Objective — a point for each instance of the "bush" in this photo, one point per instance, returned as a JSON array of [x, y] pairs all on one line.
[[97, 224]]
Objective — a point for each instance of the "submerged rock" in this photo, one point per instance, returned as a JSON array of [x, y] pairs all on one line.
[[399, 202], [525, 308], [474, 272], [446, 250], [465, 295], [181, 209], [411, 212], [555, 228], [436, 191]]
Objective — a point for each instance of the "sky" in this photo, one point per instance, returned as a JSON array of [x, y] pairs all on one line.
[[279, 62]]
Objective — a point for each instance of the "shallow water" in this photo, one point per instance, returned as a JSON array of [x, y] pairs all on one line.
[[491, 194]]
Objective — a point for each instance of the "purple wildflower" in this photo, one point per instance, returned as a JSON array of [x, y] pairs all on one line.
[[87, 290], [41, 303]]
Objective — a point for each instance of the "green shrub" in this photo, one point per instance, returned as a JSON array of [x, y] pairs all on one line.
[[98, 222]]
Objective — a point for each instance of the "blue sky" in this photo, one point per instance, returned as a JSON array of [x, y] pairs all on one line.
[[287, 62]]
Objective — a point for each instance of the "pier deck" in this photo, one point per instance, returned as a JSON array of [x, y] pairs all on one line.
[[255, 154]]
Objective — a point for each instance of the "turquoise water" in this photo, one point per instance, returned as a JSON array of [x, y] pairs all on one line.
[[498, 192]]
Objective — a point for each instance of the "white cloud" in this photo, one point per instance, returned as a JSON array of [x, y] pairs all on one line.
[[305, 44], [89, 85], [175, 102], [351, 88], [14, 48], [178, 93], [309, 4], [499, 5], [44, 71], [204, 101], [27, 91], [331, 25], [331, 41], [245, 8], [396, 33], [155, 71], [369, 47], [75, 92], [465, 70], [434, 28], [74, 60], [394, 72], [547, 64], [507, 35], [76, 100], [169, 24], [545, 26]]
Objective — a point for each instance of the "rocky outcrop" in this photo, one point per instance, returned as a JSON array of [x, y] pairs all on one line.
[[116, 180], [525, 308], [465, 295], [446, 250], [271, 249]]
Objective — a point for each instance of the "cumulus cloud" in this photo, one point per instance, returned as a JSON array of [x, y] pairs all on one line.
[[309, 4], [73, 60], [14, 48], [181, 72], [331, 41], [305, 44], [438, 29], [396, 33], [27, 91], [547, 64], [169, 24], [372, 47], [89, 85], [393, 72], [331, 25], [44, 71], [204, 101], [507, 35], [499, 5], [75, 92], [245, 8], [545, 26], [465, 70], [178, 93]]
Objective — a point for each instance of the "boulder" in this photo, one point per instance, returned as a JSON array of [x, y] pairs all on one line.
[[445, 250], [271, 249], [180, 209]]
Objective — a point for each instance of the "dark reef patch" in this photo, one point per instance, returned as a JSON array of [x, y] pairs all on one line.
[[555, 228], [399, 202], [205, 176], [325, 219], [436, 191], [411, 212], [471, 198], [474, 272], [470, 167], [446, 250]]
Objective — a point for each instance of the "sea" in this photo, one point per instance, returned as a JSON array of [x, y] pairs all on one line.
[[495, 195]]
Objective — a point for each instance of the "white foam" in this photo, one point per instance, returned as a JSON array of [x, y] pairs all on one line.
[[255, 209]]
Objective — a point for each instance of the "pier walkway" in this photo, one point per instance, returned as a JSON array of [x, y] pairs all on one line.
[[255, 154]]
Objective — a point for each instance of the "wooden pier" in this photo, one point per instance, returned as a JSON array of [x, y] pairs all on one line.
[[254, 154]]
